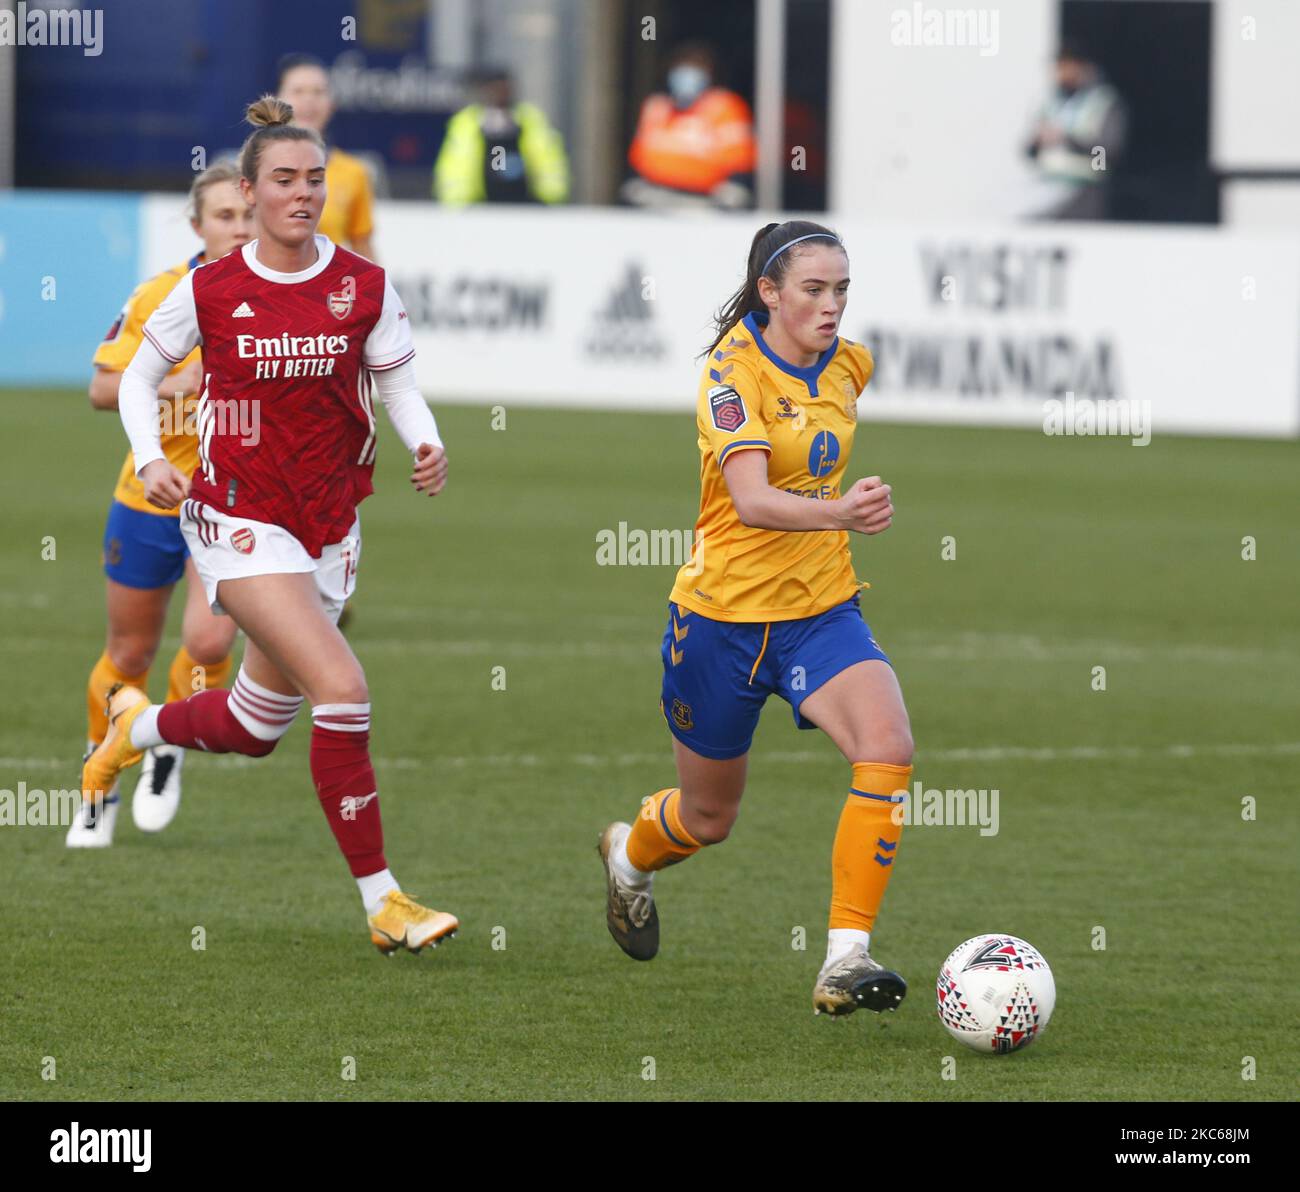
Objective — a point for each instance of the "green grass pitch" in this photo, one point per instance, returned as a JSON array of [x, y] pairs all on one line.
[[1120, 809]]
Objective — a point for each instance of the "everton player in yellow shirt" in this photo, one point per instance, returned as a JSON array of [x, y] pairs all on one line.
[[144, 552], [769, 604], [348, 219]]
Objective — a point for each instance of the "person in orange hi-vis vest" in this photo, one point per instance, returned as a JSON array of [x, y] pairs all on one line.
[[694, 144]]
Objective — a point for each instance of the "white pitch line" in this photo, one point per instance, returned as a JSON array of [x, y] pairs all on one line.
[[905, 647], [987, 753]]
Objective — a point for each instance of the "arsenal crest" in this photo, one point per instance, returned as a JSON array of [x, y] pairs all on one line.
[[340, 301], [243, 541]]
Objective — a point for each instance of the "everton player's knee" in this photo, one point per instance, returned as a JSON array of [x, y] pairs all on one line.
[[711, 825]]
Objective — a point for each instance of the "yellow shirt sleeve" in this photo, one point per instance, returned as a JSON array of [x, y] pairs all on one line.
[[349, 199], [730, 411], [361, 219], [124, 337], [862, 363]]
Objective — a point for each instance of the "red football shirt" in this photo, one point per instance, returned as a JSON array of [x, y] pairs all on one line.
[[286, 420]]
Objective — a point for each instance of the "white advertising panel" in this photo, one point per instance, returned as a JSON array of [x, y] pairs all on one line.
[[977, 324]]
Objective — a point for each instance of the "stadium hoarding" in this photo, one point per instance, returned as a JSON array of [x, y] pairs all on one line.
[[973, 324], [68, 261]]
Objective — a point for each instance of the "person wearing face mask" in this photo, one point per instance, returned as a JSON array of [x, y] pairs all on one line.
[[1079, 137], [695, 144], [499, 150]]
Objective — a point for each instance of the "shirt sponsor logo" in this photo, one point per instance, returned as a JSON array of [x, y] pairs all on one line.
[[824, 453], [727, 409], [285, 356], [255, 347]]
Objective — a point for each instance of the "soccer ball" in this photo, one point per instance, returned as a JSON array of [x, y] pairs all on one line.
[[996, 993]]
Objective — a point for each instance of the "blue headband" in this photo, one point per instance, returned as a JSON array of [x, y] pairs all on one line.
[[788, 243]]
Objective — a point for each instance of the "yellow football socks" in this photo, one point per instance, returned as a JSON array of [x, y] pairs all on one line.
[[866, 842], [658, 837], [104, 674], [185, 673]]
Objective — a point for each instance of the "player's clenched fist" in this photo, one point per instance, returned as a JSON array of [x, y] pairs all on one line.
[[866, 507], [164, 485], [430, 469]]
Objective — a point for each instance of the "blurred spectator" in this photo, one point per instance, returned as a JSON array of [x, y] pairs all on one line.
[[694, 144], [304, 84], [1085, 114], [500, 150]]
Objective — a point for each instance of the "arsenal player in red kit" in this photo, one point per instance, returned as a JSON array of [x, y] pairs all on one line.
[[297, 334]]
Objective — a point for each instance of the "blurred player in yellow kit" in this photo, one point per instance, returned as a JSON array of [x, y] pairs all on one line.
[[348, 218], [144, 552], [769, 604]]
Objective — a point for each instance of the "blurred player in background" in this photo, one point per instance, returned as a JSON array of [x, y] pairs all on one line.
[[769, 604], [144, 552], [304, 85], [294, 330]]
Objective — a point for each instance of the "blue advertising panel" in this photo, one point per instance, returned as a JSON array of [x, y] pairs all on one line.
[[67, 264], [175, 75]]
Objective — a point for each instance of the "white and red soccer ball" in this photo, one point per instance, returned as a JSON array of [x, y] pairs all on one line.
[[996, 993]]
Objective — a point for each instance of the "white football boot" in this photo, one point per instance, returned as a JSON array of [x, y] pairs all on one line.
[[158, 793], [93, 825]]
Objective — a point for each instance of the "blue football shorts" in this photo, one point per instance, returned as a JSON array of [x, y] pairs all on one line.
[[143, 550], [718, 674]]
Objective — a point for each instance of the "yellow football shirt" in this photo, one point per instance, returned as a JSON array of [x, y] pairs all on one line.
[[114, 354], [804, 418], [348, 214]]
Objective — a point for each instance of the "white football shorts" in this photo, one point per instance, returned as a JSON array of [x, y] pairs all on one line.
[[225, 547]]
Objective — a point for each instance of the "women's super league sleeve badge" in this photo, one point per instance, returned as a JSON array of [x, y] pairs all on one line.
[[340, 301], [727, 408]]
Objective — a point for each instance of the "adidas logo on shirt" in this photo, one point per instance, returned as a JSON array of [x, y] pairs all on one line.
[[242, 311]]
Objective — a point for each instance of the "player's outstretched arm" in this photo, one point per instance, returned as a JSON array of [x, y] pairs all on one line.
[[865, 508], [415, 424], [137, 405]]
